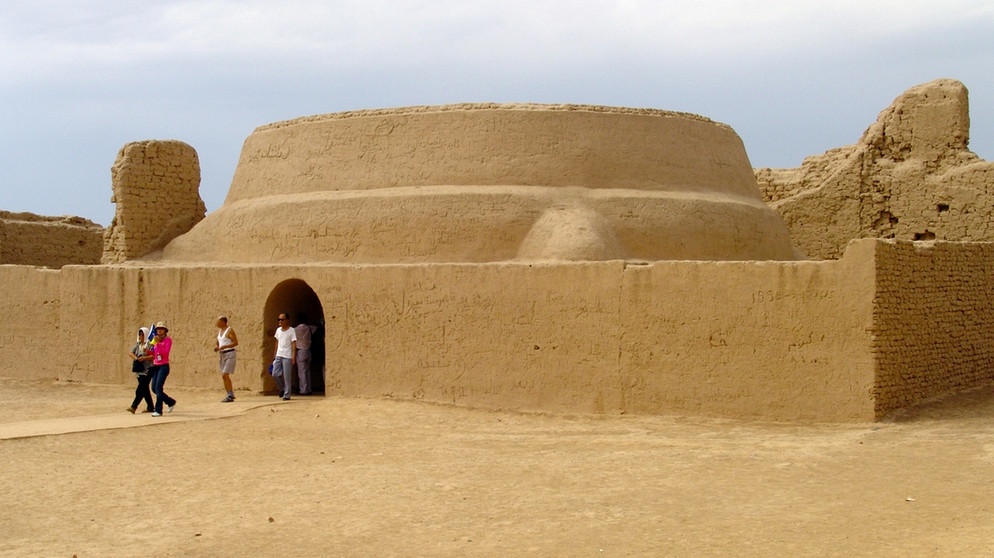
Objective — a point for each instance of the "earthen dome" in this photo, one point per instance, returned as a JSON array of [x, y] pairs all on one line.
[[490, 182]]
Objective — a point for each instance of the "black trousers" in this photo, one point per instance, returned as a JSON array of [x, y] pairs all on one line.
[[144, 391]]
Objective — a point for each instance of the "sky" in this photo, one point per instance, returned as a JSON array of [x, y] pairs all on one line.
[[81, 78]]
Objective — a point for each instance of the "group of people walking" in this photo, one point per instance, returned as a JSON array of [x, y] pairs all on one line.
[[150, 356], [150, 364], [293, 350]]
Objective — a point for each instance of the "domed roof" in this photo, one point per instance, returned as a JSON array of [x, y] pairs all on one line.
[[490, 182]]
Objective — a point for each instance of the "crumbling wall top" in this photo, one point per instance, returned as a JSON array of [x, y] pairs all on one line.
[[156, 186]]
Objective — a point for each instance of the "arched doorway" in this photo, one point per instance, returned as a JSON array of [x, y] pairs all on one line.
[[296, 299]]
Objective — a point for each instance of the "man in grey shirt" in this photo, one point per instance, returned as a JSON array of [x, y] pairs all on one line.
[[304, 334]]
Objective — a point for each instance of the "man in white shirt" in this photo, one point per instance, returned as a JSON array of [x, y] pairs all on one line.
[[304, 333], [286, 356]]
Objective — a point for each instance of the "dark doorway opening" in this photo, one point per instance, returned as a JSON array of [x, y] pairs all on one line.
[[296, 299]]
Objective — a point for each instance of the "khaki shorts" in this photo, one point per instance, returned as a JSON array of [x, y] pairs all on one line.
[[226, 362]]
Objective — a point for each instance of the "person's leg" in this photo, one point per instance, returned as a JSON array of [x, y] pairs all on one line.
[[149, 404], [138, 396], [157, 379], [287, 377], [144, 392], [304, 371], [278, 374], [170, 402], [227, 366]]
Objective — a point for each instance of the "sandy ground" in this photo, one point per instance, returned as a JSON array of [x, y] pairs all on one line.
[[358, 477]]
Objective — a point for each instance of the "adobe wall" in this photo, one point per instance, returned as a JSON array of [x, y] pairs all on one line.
[[775, 340], [156, 187], [30, 317], [29, 239], [885, 327], [668, 338], [911, 176], [783, 341], [112, 302], [933, 320]]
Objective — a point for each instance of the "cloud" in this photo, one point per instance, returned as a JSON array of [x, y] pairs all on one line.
[[793, 78], [48, 40]]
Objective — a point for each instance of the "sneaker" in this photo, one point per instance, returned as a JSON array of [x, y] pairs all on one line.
[[156, 414], [228, 399], [169, 408], [131, 410], [287, 398]]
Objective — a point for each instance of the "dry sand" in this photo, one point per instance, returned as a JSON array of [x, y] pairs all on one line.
[[358, 477]]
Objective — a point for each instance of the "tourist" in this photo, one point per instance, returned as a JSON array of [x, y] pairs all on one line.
[[286, 356], [139, 367], [304, 334], [160, 368], [225, 348]]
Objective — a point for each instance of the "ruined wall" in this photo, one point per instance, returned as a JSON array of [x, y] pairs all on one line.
[[787, 341], [731, 339], [30, 323], [910, 177], [113, 302], [29, 239], [783, 341], [885, 327], [156, 187], [933, 321]]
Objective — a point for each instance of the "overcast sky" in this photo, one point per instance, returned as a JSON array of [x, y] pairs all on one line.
[[80, 78]]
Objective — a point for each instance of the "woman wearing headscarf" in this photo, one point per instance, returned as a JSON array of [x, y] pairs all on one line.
[[140, 366]]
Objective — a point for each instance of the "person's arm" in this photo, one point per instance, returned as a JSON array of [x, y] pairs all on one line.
[[293, 351], [234, 339], [162, 349]]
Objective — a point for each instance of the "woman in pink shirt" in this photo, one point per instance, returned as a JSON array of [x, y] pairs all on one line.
[[160, 368]]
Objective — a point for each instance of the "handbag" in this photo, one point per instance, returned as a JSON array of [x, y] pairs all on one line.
[[137, 366]]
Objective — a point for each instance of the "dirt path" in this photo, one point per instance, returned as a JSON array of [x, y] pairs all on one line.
[[357, 477]]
